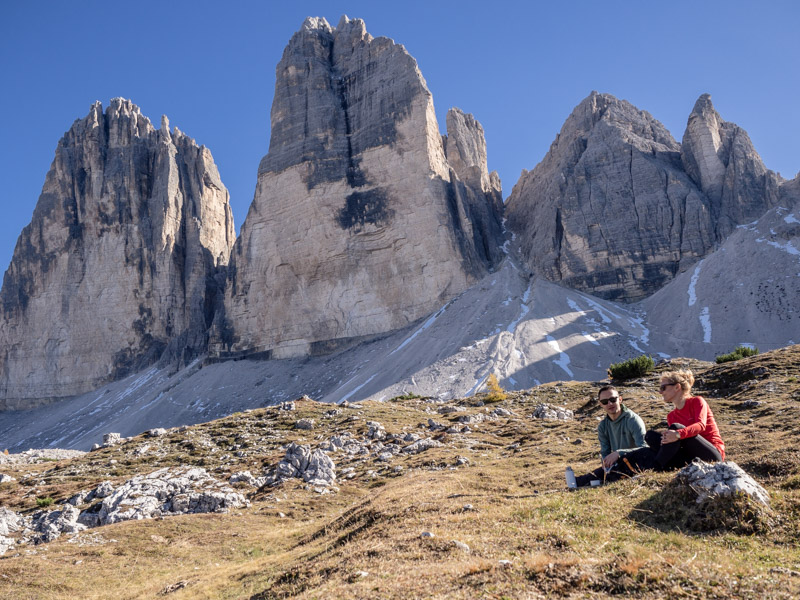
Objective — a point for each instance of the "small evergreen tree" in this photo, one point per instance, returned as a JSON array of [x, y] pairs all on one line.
[[738, 352], [631, 368]]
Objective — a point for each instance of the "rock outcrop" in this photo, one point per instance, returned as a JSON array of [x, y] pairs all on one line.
[[118, 264], [609, 209], [721, 160], [360, 223]]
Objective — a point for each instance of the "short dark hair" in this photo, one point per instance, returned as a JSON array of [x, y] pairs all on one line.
[[606, 388]]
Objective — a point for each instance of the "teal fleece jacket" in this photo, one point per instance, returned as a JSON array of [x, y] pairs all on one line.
[[624, 435]]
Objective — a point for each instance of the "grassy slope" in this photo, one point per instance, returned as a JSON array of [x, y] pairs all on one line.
[[626, 539]]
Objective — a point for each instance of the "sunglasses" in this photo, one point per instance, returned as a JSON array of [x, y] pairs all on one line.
[[607, 400], [664, 386]]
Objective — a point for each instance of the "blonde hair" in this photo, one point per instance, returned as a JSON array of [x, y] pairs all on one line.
[[685, 378]]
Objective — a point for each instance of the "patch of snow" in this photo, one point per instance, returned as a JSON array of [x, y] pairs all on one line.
[[748, 226], [693, 283], [422, 328], [790, 218], [787, 247], [563, 360], [589, 337], [512, 381], [524, 309], [662, 355], [603, 312], [635, 346], [705, 321], [507, 301], [137, 383], [639, 321], [356, 389], [477, 385], [574, 306]]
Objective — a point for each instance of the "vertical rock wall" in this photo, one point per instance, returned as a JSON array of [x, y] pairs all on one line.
[[117, 265], [359, 224]]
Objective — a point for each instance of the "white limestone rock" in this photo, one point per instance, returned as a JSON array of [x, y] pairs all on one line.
[[10, 521], [421, 446], [49, 525], [548, 412], [169, 492], [375, 431], [248, 478], [315, 468], [720, 480]]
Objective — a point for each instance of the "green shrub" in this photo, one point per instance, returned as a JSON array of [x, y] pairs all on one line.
[[44, 502], [633, 367], [408, 396], [739, 352]]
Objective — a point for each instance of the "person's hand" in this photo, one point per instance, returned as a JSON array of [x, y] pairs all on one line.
[[609, 460], [668, 436]]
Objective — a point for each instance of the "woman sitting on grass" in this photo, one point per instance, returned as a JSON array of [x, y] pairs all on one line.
[[692, 431]]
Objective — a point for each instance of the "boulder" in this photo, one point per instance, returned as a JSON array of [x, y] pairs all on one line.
[[168, 492], [712, 481], [548, 412], [314, 467], [49, 525], [421, 446]]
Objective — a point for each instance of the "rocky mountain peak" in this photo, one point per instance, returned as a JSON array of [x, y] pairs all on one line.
[[353, 198], [609, 210], [721, 160], [117, 265]]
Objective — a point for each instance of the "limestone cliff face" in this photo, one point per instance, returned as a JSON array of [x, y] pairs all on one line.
[[609, 210], [359, 224], [117, 265], [722, 161]]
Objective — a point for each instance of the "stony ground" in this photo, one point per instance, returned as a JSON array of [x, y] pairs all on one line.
[[457, 499]]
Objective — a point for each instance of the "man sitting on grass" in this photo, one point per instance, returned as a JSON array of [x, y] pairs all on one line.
[[621, 432]]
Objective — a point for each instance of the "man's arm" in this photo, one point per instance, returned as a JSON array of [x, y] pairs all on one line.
[[605, 441], [636, 430]]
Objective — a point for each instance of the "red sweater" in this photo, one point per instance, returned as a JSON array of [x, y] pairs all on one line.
[[698, 419]]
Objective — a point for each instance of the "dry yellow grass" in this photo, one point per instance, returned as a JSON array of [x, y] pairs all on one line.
[[527, 537]]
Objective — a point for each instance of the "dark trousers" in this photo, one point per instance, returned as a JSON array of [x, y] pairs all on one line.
[[681, 453]]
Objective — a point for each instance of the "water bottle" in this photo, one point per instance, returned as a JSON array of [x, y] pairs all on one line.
[[570, 475]]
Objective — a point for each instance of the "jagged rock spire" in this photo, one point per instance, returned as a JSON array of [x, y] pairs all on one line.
[[722, 161], [117, 264]]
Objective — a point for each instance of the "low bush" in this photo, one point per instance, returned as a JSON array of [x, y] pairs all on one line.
[[44, 502], [738, 352], [631, 368]]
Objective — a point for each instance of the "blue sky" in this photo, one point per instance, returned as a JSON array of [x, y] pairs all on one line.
[[519, 67]]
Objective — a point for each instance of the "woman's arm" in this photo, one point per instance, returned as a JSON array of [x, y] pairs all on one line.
[[698, 411]]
